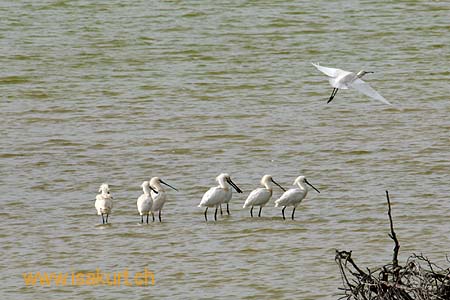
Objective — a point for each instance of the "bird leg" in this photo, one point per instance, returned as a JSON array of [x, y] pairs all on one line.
[[333, 93], [228, 210], [159, 215], [259, 214], [221, 213], [251, 212], [103, 220], [142, 219], [206, 216], [153, 217], [215, 215], [293, 211], [147, 218], [282, 211], [107, 215]]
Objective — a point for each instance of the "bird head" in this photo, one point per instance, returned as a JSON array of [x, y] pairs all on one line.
[[362, 73]]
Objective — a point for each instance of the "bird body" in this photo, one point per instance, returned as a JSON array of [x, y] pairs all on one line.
[[144, 202], [343, 80], [103, 202], [293, 197], [260, 196], [158, 199], [215, 196]]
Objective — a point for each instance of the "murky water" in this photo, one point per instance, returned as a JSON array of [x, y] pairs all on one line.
[[120, 92]]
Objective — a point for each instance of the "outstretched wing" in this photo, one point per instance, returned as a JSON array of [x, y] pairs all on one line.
[[331, 72], [365, 88]]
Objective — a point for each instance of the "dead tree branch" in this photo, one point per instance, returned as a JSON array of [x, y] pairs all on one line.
[[392, 235], [418, 279]]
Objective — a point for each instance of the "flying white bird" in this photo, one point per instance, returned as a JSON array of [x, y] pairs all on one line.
[[340, 79], [219, 194], [260, 196], [144, 202], [293, 197], [103, 202], [159, 197]]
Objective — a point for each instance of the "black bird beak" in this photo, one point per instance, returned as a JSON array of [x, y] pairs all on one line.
[[311, 186], [168, 185], [234, 185], [155, 191], [282, 188]]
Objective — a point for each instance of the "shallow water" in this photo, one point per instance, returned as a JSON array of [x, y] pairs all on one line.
[[185, 90]]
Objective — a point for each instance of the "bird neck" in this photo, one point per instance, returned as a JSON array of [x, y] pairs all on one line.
[[147, 190], [268, 186], [223, 184], [302, 186]]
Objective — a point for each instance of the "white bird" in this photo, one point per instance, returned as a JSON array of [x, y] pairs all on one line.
[[103, 202], [340, 79], [260, 196], [144, 202], [159, 197], [293, 197], [219, 194]]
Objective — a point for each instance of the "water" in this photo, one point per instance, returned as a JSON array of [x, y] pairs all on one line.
[[119, 92]]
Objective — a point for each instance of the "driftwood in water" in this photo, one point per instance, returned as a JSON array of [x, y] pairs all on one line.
[[418, 279]]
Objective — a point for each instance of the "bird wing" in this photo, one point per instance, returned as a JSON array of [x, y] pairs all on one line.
[[99, 203], [212, 197], [288, 197], [365, 88], [331, 72], [257, 197]]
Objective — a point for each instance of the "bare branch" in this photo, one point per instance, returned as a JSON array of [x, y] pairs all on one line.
[[418, 279], [393, 235]]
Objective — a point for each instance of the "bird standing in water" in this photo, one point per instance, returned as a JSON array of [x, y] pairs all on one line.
[[103, 202], [158, 195], [260, 196], [217, 195], [293, 197]]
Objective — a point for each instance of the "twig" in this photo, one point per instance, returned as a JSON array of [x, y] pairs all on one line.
[[393, 236]]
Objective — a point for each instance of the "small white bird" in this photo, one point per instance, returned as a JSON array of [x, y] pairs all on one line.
[[159, 197], [103, 202], [144, 202], [293, 197], [260, 196], [340, 79], [219, 194]]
